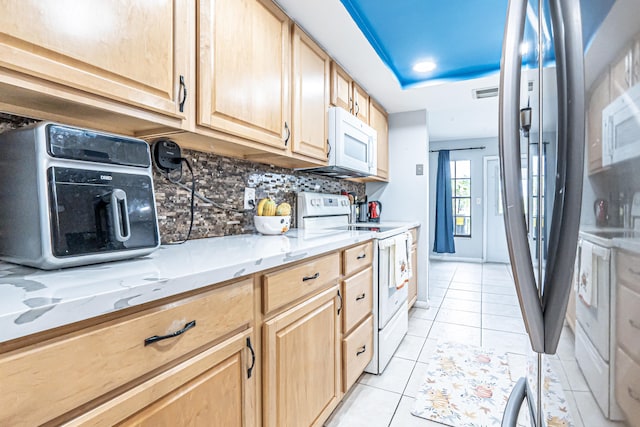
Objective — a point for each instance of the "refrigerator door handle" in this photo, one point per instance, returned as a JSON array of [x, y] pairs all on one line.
[[566, 21], [509, 147], [516, 399]]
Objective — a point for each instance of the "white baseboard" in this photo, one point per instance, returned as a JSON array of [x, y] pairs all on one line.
[[421, 304]]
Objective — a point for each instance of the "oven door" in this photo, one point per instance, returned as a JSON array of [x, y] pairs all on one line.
[[390, 299], [95, 212]]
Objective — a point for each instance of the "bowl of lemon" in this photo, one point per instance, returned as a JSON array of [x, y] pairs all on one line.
[[272, 218]]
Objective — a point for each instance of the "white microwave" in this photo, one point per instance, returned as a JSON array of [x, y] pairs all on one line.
[[352, 147], [621, 128]]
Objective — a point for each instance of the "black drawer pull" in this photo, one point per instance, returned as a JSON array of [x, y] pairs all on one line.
[[633, 394], [315, 276], [634, 324], [362, 350], [253, 358], [361, 296], [157, 338], [363, 256]]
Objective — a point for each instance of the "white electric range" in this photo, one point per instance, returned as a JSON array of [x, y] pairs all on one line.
[[318, 213]]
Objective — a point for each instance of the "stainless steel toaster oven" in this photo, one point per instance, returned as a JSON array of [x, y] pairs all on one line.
[[71, 196]]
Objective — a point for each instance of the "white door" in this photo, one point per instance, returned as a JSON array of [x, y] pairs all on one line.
[[495, 240]]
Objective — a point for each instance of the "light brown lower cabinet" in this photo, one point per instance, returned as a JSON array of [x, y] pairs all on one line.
[[413, 282], [357, 351], [214, 388], [301, 363]]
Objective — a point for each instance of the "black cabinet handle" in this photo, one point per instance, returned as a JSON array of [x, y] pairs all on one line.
[[357, 108], [362, 350], [361, 296], [341, 302], [315, 276], [286, 139], [157, 338], [363, 256], [253, 358], [183, 86], [634, 324], [351, 105]]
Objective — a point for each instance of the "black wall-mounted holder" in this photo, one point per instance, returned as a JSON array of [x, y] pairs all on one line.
[[166, 155]]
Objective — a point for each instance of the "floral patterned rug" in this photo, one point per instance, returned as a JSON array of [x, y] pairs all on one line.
[[469, 386]]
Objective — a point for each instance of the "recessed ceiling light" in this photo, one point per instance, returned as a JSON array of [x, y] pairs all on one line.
[[424, 66]]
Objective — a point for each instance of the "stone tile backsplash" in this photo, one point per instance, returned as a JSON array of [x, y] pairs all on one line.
[[221, 180]]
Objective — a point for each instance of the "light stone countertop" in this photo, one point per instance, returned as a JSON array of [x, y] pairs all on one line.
[[626, 243], [33, 300]]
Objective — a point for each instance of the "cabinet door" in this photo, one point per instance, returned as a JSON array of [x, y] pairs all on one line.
[[413, 282], [243, 75], [302, 363], [621, 75], [598, 101], [341, 94], [378, 121], [213, 388], [134, 52], [360, 103], [310, 97]]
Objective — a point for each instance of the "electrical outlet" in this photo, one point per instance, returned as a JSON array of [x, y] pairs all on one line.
[[249, 198]]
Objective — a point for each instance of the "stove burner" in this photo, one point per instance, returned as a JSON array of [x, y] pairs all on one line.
[[367, 228]]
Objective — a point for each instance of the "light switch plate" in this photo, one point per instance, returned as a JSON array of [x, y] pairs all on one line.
[[419, 169]]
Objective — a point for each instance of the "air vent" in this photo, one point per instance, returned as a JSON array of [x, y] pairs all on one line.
[[488, 92], [491, 92]]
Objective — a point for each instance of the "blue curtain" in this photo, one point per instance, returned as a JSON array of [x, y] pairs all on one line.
[[443, 242]]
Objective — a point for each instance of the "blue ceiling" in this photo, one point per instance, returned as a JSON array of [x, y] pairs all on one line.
[[463, 37]]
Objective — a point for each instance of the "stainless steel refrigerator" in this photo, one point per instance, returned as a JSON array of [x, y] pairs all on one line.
[[558, 116]]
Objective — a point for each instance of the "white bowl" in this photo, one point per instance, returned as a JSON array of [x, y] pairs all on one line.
[[272, 224]]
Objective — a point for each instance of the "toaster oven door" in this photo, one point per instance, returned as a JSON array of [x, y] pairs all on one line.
[[99, 211]]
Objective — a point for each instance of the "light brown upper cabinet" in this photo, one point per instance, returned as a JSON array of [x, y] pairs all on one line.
[[378, 121], [360, 103], [341, 88], [310, 97], [133, 52], [599, 99], [347, 94], [244, 53], [621, 74]]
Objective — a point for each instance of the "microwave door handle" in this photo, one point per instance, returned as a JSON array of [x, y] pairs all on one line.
[[509, 149], [120, 215], [570, 68], [370, 150]]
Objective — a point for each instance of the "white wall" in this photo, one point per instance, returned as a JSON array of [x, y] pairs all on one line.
[[406, 196], [466, 248]]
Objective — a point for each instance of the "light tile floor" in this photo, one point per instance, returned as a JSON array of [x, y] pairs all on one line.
[[470, 303]]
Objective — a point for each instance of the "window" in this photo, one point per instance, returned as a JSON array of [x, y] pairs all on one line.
[[461, 197]]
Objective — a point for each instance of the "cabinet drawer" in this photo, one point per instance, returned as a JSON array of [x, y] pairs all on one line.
[[358, 298], [213, 385], [357, 257], [357, 350], [628, 321], [289, 284], [628, 270], [43, 381], [628, 387]]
